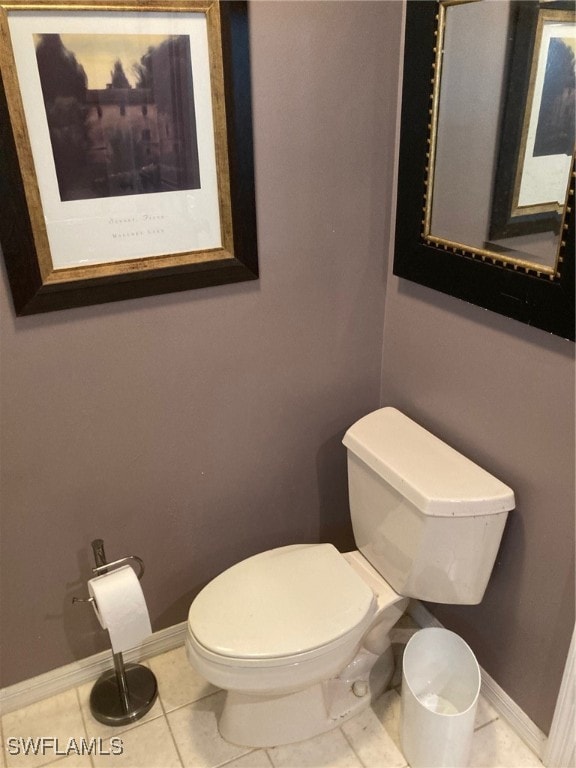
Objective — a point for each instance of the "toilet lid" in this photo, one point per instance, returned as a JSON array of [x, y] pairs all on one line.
[[280, 603]]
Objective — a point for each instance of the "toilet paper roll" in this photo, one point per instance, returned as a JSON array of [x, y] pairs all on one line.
[[121, 608]]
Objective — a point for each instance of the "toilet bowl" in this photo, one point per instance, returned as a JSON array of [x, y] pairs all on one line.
[[298, 636], [293, 635]]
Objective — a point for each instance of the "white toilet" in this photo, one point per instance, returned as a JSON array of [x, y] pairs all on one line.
[[298, 636]]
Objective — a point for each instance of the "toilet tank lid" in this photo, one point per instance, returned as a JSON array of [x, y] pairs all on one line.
[[429, 473]]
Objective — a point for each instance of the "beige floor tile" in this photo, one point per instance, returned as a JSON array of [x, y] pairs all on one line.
[[97, 729], [72, 761], [178, 683], [56, 718], [388, 708], [148, 746], [371, 741], [485, 713], [256, 759], [196, 734], [329, 750], [497, 746]]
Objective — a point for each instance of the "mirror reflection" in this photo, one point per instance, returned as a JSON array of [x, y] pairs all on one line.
[[502, 130]]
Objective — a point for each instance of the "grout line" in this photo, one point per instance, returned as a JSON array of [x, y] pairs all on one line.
[[162, 707], [84, 725], [172, 735], [343, 732], [3, 743], [189, 703], [251, 751], [480, 727]]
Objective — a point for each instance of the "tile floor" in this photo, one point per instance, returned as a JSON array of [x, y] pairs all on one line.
[[180, 731]]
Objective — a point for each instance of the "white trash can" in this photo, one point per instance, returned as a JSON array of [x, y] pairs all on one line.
[[440, 687]]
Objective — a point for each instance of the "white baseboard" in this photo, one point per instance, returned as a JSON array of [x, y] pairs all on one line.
[[85, 670], [561, 747], [506, 708]]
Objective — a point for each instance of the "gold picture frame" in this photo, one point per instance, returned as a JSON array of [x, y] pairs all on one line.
[[127, 158]]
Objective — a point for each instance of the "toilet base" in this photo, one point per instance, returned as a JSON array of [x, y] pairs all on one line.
[[267, 721]]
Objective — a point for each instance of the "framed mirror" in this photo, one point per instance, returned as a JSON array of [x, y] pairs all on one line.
[[486, 172]]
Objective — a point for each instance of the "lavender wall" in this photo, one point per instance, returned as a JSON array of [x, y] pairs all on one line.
[[503, 394], [199, 428]]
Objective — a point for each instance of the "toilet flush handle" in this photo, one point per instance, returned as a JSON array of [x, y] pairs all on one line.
[[360, 688]]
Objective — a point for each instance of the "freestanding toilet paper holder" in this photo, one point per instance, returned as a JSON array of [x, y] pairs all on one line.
[[126, 693]]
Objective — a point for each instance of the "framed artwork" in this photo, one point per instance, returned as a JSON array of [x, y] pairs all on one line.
[[538, 126], [125, 149]]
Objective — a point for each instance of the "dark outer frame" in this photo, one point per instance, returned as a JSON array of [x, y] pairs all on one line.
[[516, 293], [29, 294]]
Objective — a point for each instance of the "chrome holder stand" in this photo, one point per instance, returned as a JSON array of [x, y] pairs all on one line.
[[123, 694], [126, 693]]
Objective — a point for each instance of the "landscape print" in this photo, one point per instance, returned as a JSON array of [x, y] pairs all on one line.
[[556, 120], [120, 112]]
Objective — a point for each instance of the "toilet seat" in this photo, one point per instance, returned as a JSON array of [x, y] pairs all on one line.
[[281, 607]]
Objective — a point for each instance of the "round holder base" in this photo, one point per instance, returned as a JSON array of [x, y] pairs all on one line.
[[106, 701]]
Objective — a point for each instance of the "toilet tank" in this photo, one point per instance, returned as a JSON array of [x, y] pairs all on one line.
[[426, 517]]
